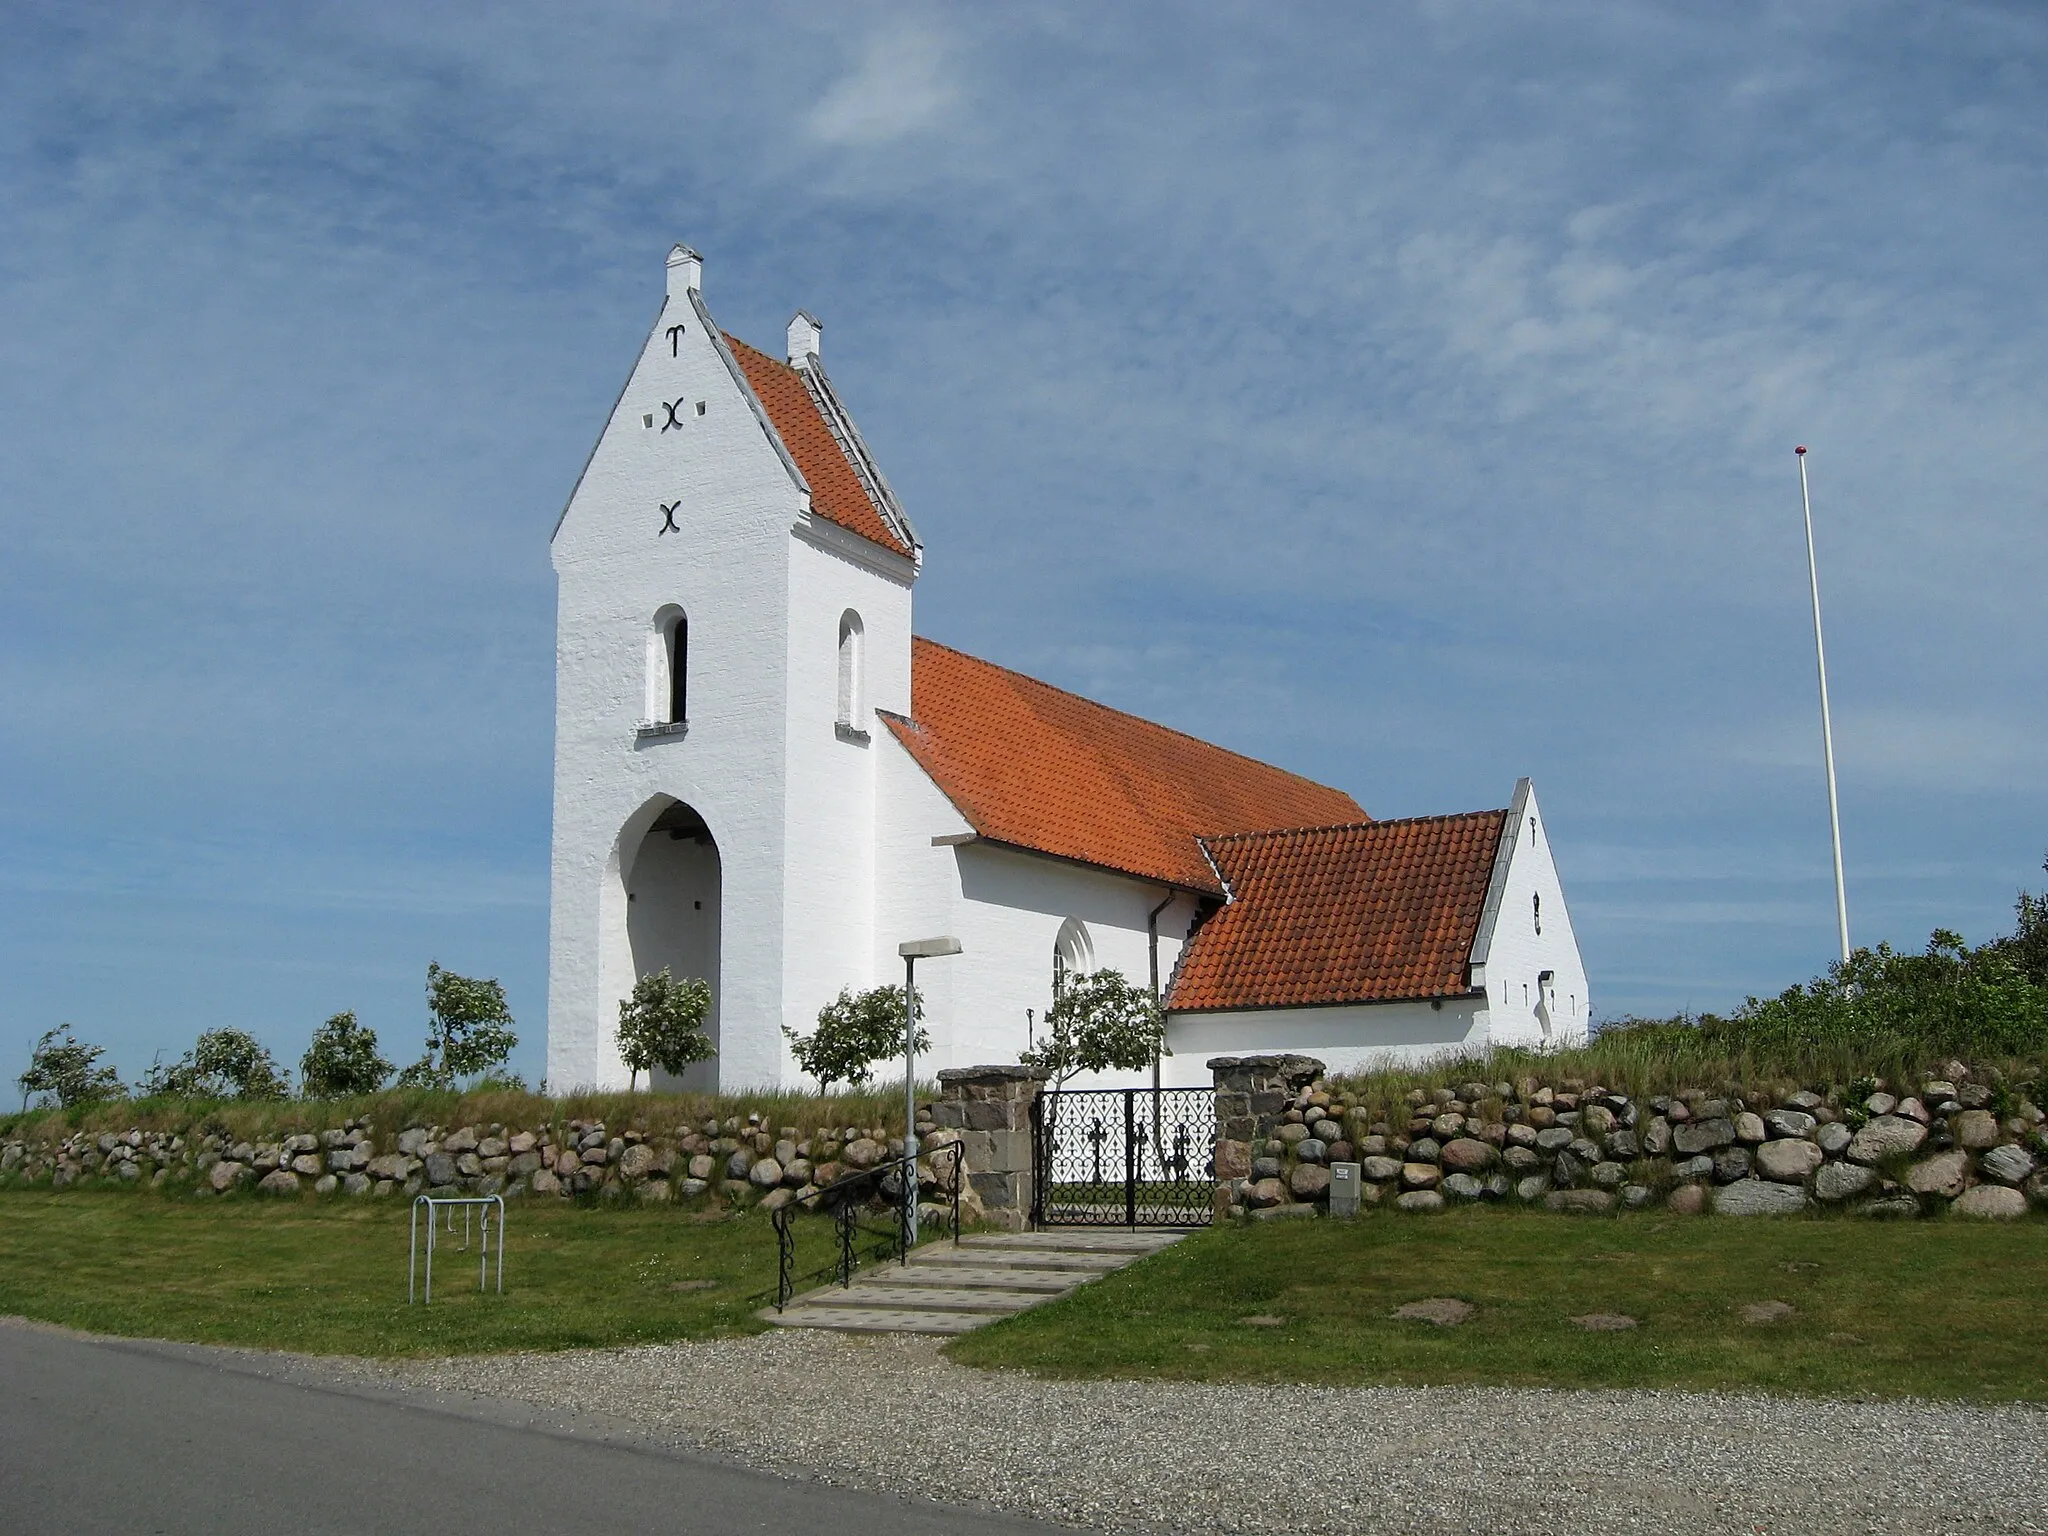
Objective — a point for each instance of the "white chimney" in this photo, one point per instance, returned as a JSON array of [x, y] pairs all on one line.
[[685, 272], [804, 331]]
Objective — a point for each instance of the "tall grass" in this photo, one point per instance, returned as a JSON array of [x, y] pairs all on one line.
[[1648, 1057], [393, 1110]]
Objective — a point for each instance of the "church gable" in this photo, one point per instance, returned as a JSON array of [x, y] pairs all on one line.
[[708, 430], [1042, 769]]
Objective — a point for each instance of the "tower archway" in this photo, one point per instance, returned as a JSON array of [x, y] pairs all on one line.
[[673, 878]]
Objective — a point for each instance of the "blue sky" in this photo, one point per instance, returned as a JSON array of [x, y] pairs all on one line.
[[1405, 394]]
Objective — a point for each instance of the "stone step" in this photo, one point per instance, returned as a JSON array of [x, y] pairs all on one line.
[[1078, 1240], [1043, 1261], [1042, 1282], [949, 1290], [877, 1320], [924, 1298]]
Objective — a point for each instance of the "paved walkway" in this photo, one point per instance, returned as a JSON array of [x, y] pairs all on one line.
[[947, 1289], [129, 1436]]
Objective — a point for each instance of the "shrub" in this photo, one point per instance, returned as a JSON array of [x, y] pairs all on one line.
[[1949, 999], [662, 1025], [855, 1031], [469, 1033], [69, 1072], [2027, 945], [342, 1061], [222, 1064]]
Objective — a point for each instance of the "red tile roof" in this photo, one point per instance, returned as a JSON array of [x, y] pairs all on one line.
[[1040, 768], [1350, 914], [837, 493]]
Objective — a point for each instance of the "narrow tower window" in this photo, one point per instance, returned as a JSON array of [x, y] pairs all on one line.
[[679, 669], [1536, 910], [850, 638], [668, 668]]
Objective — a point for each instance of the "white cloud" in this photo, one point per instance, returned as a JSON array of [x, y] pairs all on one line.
[[903, 82]]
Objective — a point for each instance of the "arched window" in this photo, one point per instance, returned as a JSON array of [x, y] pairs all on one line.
[[1073, 954], [850, 643], [668, 668]]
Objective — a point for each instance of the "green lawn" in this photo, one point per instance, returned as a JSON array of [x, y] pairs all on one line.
[[1939, 1309], [1932, 1309], [329, 1278]]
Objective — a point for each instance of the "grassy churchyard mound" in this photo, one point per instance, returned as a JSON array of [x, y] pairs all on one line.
[[729, 1151], [1747, 1142]]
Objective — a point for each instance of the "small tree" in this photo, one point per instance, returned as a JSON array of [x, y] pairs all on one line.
[[662, 1025], [68, 1072], [342, 1060], [1099, 1023], [222, 1064], [470, 1031], [854, 1032]]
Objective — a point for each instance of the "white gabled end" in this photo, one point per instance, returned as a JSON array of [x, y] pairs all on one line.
[[804, 335], [685, 272]]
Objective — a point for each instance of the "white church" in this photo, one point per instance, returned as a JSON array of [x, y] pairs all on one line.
[[763, 778]]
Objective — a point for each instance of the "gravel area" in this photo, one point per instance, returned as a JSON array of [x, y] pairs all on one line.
[[1124, 1455]]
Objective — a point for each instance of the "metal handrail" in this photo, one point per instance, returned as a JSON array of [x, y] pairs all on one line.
[[847, 1221]]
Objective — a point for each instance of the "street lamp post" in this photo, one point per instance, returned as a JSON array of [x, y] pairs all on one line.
[[912, 952]]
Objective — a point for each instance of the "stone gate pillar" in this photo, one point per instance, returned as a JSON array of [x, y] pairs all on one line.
[[989, 1110], [1252, 1093]]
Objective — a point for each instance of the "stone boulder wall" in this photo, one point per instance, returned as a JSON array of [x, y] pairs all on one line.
[[738, 1161], [1950, 1144]]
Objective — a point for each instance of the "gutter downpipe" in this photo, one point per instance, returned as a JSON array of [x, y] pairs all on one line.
[[1152, 953]]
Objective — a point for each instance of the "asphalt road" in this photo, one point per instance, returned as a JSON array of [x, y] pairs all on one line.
[[131, 1437]]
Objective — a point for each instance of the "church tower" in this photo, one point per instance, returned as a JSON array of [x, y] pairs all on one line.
[[734, 591]]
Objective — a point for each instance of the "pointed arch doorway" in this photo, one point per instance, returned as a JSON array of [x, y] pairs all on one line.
[[672, 918]]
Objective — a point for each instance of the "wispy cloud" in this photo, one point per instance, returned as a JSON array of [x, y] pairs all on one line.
[[903, 80]]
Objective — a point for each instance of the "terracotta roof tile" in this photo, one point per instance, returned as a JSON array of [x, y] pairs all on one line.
[[1040, 768], [836, 490], [1342, 914]]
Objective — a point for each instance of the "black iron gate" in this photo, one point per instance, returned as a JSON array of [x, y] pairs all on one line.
[[1123, 1157]]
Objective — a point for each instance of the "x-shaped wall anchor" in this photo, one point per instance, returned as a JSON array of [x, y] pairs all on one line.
[[668, 518], [671, 406]]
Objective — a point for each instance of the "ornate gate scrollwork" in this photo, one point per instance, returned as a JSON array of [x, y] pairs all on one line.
[[1123, 1157]]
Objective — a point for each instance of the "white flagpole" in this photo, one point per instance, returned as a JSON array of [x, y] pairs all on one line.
[[1827, 729]]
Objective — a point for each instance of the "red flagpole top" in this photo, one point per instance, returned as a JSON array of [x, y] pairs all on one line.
[[1800, 450]]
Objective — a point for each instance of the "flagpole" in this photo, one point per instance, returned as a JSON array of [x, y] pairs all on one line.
[[1827, 729]]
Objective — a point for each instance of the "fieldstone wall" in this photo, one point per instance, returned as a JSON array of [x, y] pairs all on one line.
[[1254, 1097], [1904, 1150], [737, 1161]]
